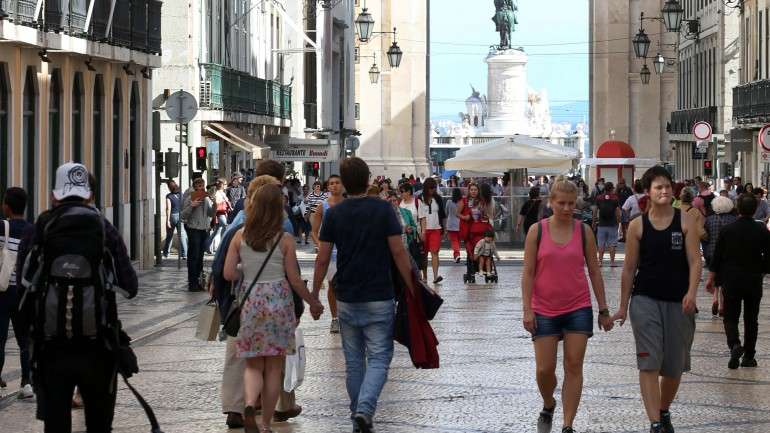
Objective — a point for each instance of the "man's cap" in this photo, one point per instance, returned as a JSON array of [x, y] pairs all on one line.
[[237, 175], [72, 181]]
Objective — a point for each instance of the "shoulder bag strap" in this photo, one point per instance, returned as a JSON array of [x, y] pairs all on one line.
[[262, 268]]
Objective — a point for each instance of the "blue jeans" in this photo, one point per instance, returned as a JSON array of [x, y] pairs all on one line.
[[196, 243], [9, 305], [367, 341], [173, 220], [219, 228]]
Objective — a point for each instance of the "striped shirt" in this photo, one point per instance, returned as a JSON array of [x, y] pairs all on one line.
[[313, 200], [17, 227]]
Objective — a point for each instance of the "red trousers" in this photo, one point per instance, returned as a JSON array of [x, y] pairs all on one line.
[[454, 239]]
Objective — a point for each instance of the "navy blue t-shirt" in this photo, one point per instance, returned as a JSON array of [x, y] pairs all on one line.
[[359, 228], [175, 198]]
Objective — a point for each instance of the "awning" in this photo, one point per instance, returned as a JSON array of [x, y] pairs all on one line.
[[518, 151], [643, 162], [285, 148], [238, 138]]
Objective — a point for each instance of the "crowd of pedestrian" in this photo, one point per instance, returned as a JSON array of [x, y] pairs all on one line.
[[374, 240]]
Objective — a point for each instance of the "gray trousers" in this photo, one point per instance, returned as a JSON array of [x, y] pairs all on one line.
[[232, 384]]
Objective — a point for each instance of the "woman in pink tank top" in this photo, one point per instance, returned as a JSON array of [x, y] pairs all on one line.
[[557, 301]]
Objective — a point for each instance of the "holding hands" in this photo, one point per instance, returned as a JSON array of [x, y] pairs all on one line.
[[316, 309]]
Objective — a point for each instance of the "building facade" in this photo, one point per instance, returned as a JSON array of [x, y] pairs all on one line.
[[392, 114], [77, 87], [708, 65], [622, 107], [228, 55], [751, 101]]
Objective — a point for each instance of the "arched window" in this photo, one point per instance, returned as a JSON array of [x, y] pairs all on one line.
[[77, 118], [98, 155], [5, 149], [28, 140], [54, 125], [117, 149]]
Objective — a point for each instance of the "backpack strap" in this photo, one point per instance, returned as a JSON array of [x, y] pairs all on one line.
[[145, 406]]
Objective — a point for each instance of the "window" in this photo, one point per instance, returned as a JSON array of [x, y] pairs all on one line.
[[29, 141], [77, 118], [98, 156], [54, 125], [117, 149], [5, 150]]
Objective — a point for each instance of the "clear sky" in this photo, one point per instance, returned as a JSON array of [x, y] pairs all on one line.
[[554, 33]]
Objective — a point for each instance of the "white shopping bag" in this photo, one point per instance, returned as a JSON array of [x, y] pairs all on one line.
[[294, 368]]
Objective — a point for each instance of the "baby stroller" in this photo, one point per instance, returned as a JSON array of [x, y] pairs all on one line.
[[492, 278]]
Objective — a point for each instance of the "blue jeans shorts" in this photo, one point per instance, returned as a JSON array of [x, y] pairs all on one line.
[[577, 322]]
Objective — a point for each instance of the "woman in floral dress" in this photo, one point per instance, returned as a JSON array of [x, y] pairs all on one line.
[[267, 317]]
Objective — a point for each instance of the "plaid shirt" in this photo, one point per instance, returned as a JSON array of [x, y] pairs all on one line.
[[714, 224], [125, 276]]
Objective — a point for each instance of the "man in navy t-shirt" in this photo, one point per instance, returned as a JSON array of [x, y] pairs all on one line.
[[367, 234]]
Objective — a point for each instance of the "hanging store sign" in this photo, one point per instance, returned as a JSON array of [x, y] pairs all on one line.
[[328, 153]]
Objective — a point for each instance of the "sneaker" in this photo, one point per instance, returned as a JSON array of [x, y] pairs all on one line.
[[735, 357], [363, 422], [234, 420], [545, 420], [749, 362], [335, 326], [26, 392], [665, 422], [656, 427], [567, 430], [457, 259]]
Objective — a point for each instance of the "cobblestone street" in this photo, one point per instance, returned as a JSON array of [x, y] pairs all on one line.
[[486, 381]]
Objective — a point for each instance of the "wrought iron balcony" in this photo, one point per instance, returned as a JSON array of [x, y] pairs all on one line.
[[751, 102], [135, 23], [683, 120], [230, 90]]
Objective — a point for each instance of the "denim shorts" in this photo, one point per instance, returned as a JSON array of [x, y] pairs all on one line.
[[576, 322]]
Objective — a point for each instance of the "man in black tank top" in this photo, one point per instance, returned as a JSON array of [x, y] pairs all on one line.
[[661, 273]]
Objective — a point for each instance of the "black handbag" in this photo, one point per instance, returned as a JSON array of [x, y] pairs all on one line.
[[416, 251], [233, 320]]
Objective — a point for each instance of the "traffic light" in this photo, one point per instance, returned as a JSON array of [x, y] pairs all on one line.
[[316, 169], [200, 158], [708, 168]]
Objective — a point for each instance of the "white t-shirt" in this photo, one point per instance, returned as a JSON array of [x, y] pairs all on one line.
[[632, 205], [430, 213], [411, 207]]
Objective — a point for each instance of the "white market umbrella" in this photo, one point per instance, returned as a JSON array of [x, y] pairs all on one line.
[[518, 151]]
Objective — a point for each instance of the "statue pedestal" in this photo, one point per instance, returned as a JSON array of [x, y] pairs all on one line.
[[507, 92]]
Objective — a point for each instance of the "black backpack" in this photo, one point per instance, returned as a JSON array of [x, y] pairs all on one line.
[[707, 199], [69, 275]]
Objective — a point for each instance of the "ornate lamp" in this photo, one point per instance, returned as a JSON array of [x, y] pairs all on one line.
[[641, 43], [644, 74], [364, 25], [394, 53], [659, 63], [672, 13], [374, 73]]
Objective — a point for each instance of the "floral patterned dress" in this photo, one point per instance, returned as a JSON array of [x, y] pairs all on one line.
[[267, 317]]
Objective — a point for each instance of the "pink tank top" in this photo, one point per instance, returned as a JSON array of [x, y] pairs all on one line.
[[560, 285]]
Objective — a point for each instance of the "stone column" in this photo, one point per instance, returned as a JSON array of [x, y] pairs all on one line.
[[507, 92]]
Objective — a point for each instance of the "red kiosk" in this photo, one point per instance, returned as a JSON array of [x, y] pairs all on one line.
[[615, 161]]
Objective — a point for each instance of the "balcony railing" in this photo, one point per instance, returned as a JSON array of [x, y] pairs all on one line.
[[230, 90], [751, 102], [683, 120], [135, 24]]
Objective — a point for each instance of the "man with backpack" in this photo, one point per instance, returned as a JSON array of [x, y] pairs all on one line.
[[11, 231], [71, 263], [703, 200], [606, 222]]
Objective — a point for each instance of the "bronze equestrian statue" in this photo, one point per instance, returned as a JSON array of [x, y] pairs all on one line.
[[505, 21]]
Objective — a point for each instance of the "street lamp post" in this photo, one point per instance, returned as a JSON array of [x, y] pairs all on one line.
[[659, 63], [672, 13], [364, 25], [641, 42], [644, 74]]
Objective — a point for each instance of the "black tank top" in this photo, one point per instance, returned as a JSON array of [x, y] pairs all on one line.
[[663, 272]]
